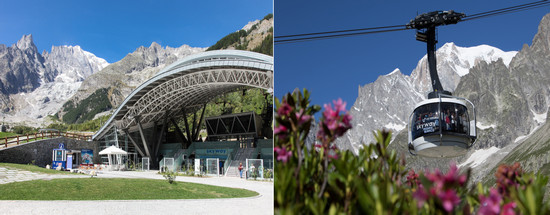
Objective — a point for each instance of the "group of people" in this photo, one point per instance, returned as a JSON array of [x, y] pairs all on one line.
[[452, 119], [252, 169], [455, 123]]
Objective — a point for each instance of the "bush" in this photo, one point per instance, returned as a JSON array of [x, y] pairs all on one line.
[[21, 129], [268, 173], [170, 176], [320, 179]]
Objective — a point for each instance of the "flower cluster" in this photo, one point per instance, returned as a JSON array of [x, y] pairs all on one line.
[[293, 120], [335, 122], [507, 177], [491, 205], [413, 179], [282, 154], [443, 188]]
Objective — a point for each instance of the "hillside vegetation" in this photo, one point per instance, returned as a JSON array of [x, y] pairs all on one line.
[[87, 109], [244, 40]]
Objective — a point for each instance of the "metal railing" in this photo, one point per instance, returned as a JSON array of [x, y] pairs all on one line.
[[10, 141], [230, 159]]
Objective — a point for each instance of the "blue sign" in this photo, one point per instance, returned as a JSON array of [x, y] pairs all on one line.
[[216, 151], [62, 146]]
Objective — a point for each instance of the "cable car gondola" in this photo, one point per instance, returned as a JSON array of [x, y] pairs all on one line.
[[441, 126]]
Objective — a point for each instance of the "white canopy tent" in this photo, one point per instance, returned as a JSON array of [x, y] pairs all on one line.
[[114, 156]]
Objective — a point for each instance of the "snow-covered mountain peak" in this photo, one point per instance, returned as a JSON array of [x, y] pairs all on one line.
[[394, 72], [73, 64], [454, 62], [482, 52]]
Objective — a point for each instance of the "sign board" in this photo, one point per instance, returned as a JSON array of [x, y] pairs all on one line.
[[87, 157], [69, 161], [197, 166], [61, 146]]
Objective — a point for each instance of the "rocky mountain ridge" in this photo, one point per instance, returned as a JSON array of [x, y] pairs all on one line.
[[34, 85]]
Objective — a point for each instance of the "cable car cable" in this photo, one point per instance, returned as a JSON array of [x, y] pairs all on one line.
[[374, 30], [509, 8], [502, 11], [335, 36], [340, 31]]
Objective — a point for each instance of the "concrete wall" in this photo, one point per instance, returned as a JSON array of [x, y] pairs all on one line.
[[41, 151]]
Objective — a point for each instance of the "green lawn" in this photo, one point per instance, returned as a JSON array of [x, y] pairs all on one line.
[[32, 168], [7, 134], [114, 189]]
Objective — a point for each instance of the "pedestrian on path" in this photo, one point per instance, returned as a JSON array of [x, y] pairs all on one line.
[[241, 169]]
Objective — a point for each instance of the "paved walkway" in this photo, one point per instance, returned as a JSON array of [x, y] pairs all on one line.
[[12, 175], [262, 204]]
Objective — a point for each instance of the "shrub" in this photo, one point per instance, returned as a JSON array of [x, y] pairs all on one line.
[[170, 176]]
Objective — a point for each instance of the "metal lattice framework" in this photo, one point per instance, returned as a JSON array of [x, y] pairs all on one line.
[[188, 84]]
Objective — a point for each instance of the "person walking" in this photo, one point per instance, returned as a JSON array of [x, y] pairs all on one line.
[[241, 169]]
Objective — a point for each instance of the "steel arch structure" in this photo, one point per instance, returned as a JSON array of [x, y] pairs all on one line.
[[188, 84]]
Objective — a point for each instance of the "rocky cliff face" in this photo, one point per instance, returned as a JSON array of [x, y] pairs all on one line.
[[72, 64], [34, 85], [21, 68], [386, 103]]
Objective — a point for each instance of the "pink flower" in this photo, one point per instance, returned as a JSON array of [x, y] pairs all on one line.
[[347, 120], [508, 209], [412, 178], [443, 188], [450, 199], [336, 123], [280, 129], [421, 196], [282, 154], [491, 204], [302, 118], [339, 105], [284, 109], [453, 178]]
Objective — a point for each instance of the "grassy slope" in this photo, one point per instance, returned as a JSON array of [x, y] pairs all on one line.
[[114, 189]]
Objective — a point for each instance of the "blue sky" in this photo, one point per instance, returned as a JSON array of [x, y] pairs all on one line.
[[334, 68], [112, 29]]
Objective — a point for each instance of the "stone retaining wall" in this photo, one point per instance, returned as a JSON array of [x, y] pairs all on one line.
[[41, 151]]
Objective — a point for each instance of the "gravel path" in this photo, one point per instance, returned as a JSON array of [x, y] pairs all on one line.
[[262, 204]]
